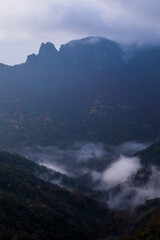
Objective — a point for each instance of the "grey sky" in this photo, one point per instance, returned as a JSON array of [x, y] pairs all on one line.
[[24, 24]]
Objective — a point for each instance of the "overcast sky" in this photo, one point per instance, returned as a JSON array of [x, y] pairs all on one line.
[[25, 24]]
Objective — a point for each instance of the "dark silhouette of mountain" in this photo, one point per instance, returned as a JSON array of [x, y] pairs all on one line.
[[91, 89]]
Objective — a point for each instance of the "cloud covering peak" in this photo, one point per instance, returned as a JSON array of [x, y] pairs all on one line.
[[25, 24]]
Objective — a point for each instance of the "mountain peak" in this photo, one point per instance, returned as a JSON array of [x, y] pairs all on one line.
[[47, 50], [88, 40], [92, 43], [47, 53]]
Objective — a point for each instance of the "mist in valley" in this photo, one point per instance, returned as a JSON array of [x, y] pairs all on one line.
[[108, 172]]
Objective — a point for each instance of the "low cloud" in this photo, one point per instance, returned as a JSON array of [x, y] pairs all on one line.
[[89, 151], [121, 170], [129, 195], [129, 148], [53, 167], [100, 169]]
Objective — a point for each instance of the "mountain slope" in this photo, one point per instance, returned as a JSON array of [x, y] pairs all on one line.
[[88, 90], [33, 209], [145, 222], [151, 155]]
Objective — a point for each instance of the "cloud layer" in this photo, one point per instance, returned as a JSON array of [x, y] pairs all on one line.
[[27, 23]]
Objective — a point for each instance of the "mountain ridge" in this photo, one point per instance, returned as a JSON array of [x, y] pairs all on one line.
[[129, 49], [83, 92]]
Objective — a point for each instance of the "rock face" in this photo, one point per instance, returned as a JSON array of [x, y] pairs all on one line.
[[88, 90], [47, 53], [47, 50]]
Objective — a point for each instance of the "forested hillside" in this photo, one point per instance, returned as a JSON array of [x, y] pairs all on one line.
[[31, 208], [91, 89]]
